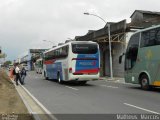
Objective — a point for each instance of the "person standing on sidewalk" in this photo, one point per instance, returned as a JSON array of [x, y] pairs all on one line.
[[23, 74], [18, 77], [11, 74]]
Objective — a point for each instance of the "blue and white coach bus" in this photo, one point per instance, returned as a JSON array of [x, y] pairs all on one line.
[[72, 61]]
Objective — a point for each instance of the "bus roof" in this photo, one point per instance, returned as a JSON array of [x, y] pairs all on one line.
[[149, 28], [68, 44]]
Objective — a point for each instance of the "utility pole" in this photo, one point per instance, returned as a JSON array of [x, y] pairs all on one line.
[[109, 37]]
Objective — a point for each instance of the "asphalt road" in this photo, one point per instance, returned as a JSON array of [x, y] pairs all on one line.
[[96, 97]]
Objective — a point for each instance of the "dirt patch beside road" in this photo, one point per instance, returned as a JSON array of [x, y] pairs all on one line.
[[10, 101]]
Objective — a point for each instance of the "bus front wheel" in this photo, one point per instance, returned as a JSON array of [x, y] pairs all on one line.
[[144, 81], [46, 78]]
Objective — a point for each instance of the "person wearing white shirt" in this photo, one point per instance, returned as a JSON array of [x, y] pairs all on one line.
[[18, 77]]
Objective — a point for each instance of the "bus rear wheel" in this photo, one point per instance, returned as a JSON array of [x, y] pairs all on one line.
[[59, 79], [144, 81], [82, 82]]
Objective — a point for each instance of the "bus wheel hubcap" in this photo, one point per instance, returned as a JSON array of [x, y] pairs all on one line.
[[59, 79], [144, 82]]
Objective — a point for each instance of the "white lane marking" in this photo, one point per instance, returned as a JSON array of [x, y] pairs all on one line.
[[109, 86], [71, 88], [112, 86], [36, 117], [150, 111], [103, 85], [27, 105]]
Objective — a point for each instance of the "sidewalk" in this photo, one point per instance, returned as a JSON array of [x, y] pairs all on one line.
[[115, 79], [34, 107], [11, 105], [38, 111]]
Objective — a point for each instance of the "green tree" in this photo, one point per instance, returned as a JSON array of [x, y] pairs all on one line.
[[7, 63], [3, 55]]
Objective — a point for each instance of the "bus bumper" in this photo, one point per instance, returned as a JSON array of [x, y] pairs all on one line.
[[84, 77]]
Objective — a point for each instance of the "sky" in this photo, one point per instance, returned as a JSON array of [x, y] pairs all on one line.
[[24, 24]]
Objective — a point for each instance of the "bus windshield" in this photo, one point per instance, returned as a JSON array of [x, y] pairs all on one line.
[[84, 48]]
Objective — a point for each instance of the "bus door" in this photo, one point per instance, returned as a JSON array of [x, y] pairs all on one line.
[[131, 59]]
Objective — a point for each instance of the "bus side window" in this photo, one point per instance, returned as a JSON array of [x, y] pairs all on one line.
[[148, 38], [144, 39], [158, 36], [64, 51], [132, 51]]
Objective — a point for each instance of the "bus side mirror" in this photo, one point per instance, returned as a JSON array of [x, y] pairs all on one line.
[[120, 58]]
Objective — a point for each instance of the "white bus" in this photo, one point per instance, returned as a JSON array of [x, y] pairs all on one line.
[[25, 66], [73, 61], [39, 66]]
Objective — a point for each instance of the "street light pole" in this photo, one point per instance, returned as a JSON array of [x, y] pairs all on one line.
[[86, 13], [109, 37], [69, 39], [48, 41], [110, 53], [53, 44]]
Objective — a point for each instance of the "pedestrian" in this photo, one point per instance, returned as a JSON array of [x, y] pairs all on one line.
[[11, 74], [17, 72], [14, 72], [23, 74]]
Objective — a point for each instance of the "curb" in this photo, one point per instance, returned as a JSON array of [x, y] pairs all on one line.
[[40, 104], [35, 115]]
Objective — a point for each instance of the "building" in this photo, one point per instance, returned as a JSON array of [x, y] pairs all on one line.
[[30, 57], [0, 50], [120, 35], [143, 18], [2, 56]]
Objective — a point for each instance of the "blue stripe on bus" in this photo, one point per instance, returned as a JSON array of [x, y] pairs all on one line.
[[53, 69]]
